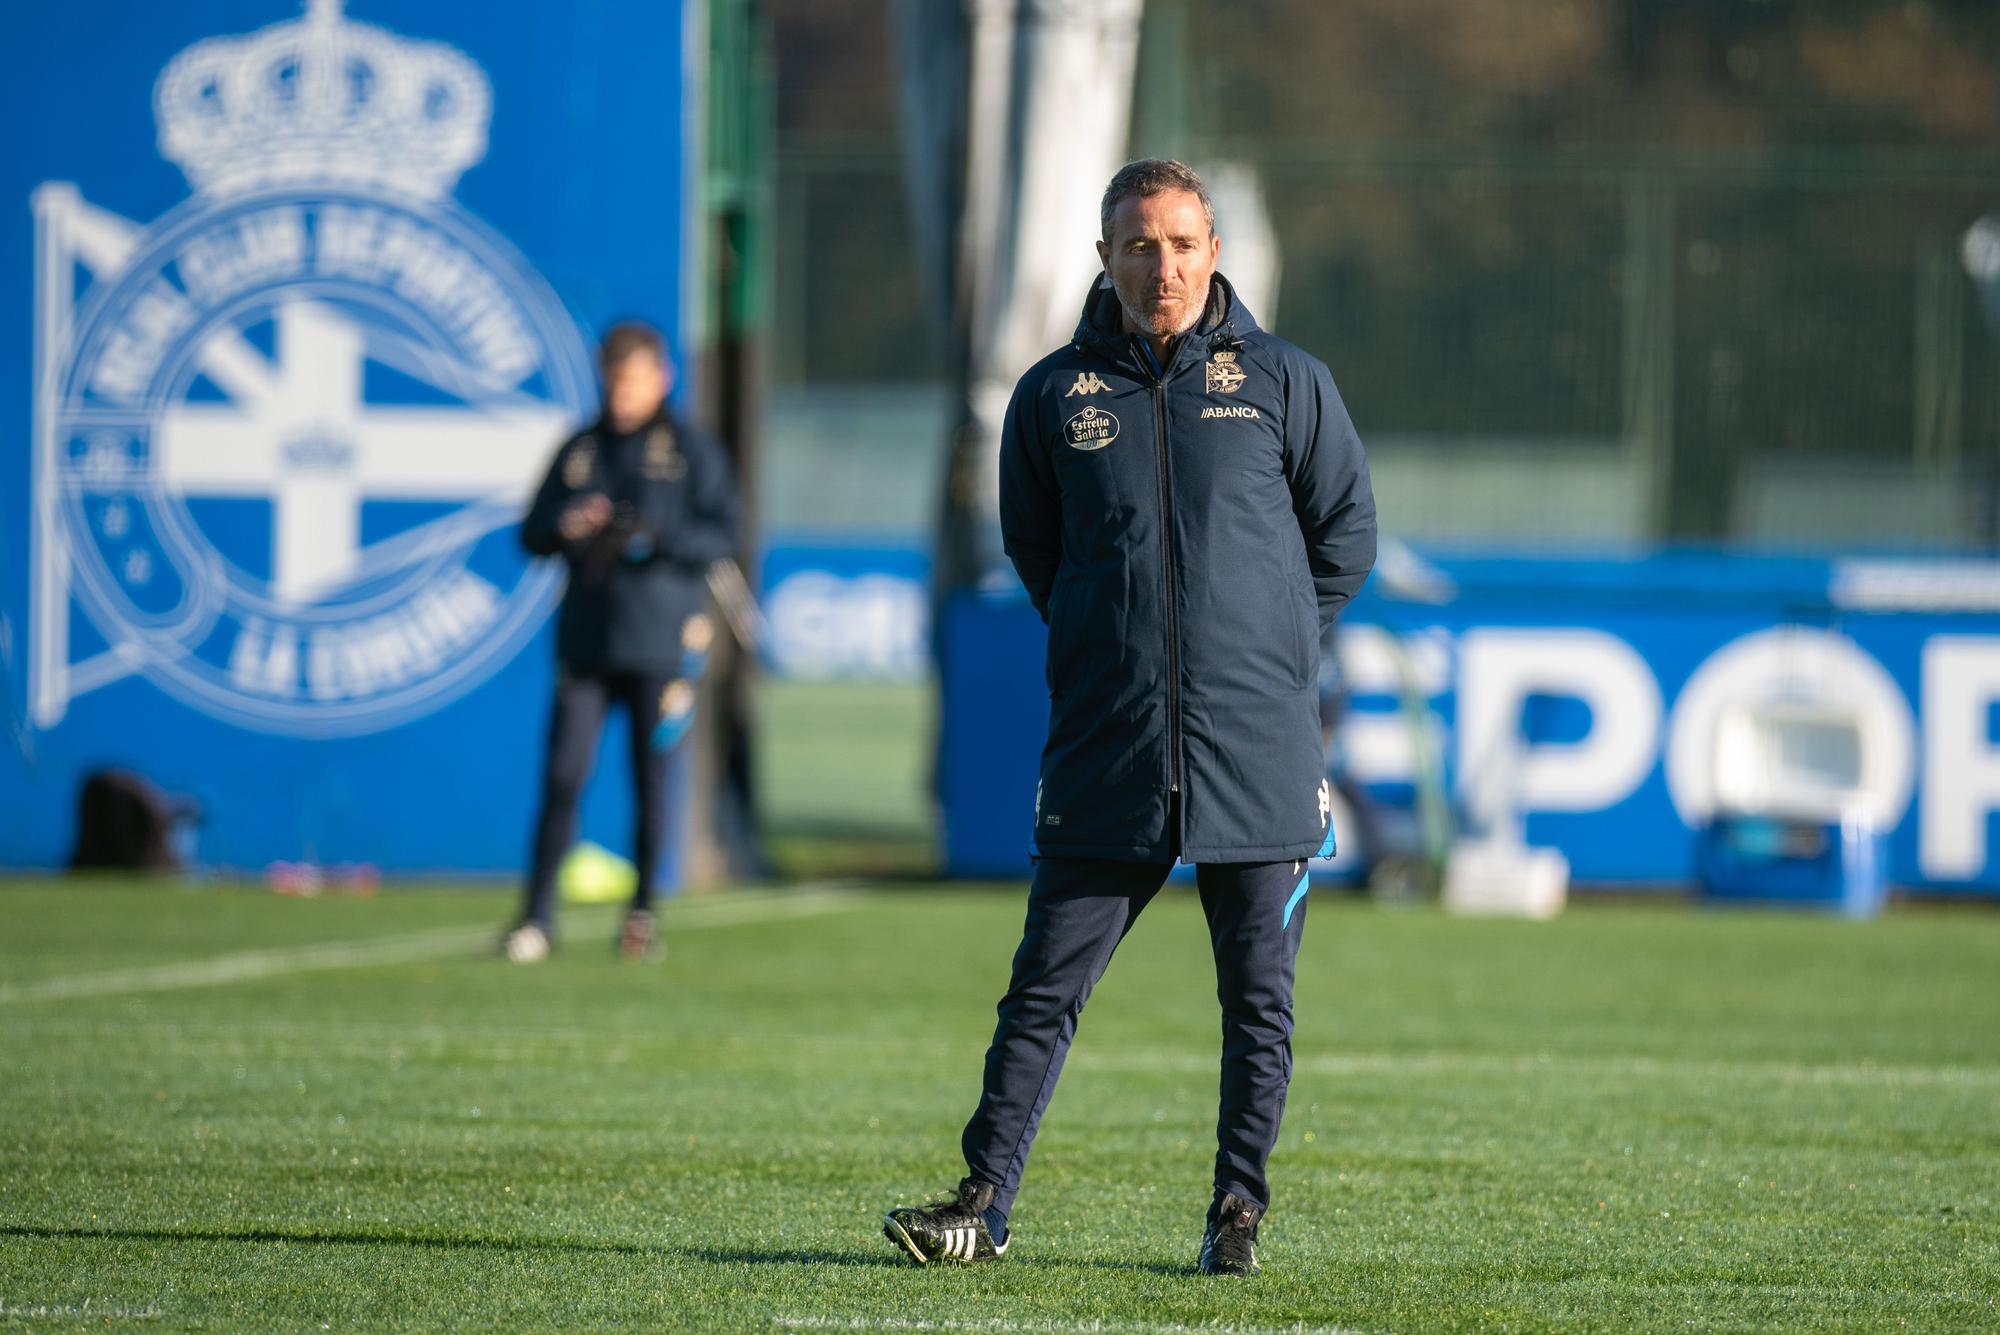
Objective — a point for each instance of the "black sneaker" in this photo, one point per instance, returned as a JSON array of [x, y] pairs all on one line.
[[1228, 1248], [948, 1230]]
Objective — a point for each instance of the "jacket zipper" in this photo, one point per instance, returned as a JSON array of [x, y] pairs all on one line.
[[1167, 570]]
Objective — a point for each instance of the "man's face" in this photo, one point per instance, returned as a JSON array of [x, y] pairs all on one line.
[[1160, 256], [634, 388]]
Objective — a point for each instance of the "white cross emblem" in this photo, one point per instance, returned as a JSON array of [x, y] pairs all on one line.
[[300, 433]]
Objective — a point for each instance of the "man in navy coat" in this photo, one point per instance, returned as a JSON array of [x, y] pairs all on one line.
[[1187, 503]]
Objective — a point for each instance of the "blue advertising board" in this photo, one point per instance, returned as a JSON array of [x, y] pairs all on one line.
[[1591, 700], [845, 610], [301, 302]]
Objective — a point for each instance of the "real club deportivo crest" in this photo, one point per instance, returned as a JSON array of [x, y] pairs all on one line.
[[318, 331], [664, 461], [1225, 376]]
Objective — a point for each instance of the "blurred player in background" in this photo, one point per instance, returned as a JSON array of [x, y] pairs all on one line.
[[638, 506], [1188, 506]]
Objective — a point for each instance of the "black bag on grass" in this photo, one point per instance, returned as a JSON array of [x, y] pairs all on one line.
[[123, 823]]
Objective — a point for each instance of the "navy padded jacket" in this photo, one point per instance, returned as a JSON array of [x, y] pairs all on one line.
[[672, 487], [1187, 531]]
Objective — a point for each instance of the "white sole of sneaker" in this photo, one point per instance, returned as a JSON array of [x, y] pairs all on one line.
[[899, 1235]]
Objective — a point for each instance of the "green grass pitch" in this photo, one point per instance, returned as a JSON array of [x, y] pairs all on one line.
[[225, 1110]]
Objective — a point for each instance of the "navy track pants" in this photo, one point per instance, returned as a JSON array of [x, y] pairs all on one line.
[[575, 724], [1078, 912]]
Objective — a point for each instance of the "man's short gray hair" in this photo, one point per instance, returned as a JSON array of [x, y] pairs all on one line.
[[1148, 177]]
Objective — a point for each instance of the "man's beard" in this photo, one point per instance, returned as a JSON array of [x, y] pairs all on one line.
[[1150, 323]]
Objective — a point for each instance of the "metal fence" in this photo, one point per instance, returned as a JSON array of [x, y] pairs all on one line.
[[1772, 349]]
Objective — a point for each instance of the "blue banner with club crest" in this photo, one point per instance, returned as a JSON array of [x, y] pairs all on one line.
[[303, 298]]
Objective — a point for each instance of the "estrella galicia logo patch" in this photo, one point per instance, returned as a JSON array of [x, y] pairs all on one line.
[[1091, 429]]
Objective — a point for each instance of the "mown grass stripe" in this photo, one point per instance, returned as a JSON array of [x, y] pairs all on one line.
[[1454, 1065], [1007, 1326]]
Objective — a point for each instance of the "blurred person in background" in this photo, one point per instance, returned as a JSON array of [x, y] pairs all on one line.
[[1188, 506], [638, 506]]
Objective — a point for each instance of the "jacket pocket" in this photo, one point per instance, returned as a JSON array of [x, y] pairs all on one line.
[[1083, 634], [1305, 621], [1059, 634]]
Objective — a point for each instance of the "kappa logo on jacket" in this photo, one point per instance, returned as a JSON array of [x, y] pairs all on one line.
[[1087, 382], [1225, 376]]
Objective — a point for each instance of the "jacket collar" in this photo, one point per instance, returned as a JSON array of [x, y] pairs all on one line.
[[602, 427], [1224, 323]]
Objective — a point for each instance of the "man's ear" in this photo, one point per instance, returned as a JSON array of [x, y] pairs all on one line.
[[1104, 256]]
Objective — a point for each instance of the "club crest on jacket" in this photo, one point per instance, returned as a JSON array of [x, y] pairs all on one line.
[[664, 462], [1224, 375]]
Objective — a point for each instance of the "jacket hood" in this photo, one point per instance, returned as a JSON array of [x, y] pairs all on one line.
[[1224, 320]]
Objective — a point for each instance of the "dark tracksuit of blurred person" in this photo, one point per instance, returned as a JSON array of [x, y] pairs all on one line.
[[1188, 507], [638, 506]]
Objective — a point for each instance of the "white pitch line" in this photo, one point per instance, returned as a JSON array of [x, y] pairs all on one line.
[[438, 943]]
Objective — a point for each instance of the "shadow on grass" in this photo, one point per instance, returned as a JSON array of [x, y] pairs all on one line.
[[897, 1261], [443, 1242], [447, 1242], [798, 1256]]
